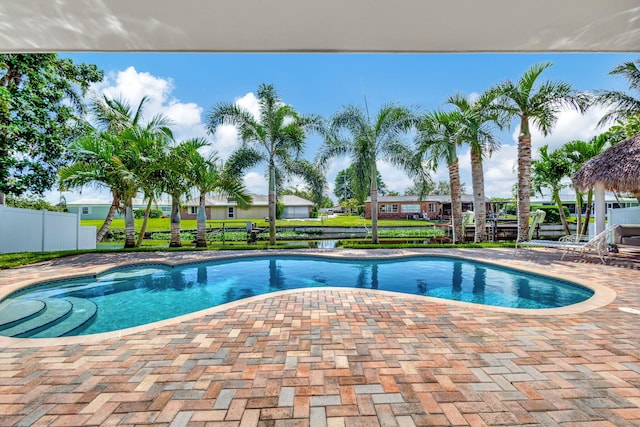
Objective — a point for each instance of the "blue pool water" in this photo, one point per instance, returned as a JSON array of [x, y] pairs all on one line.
[[143, 294]]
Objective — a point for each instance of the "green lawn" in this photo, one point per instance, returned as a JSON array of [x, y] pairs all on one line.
[[163, 224]]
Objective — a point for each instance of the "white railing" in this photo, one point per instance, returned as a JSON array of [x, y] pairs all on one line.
[[27, 230], [624, 216]]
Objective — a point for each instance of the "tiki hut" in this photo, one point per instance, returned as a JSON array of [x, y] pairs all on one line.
[[616, 169]]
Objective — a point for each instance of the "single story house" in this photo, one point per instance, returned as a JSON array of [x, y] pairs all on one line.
[[408, 207], [219, 207], [99, 208]]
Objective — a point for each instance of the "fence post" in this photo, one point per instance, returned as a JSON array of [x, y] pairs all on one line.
[[78, 214]]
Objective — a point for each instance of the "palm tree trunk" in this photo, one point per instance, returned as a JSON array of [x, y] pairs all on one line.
[[129, 224], [578, 211], [143, 229], [456, 202], [272, 203], [374, 204], [563, 217], [479, 206], [175, 223], [524, 179], [107, 221], [201, 239], [587, 214], [2, 199]]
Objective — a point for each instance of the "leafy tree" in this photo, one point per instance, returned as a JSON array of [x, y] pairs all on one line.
[[421, 189], [479, 118], [537, 105], [348, 186], [439, 136], [40, 113], [276, 138], [31, 202], [548, 172], [624, 105], [366, 141]]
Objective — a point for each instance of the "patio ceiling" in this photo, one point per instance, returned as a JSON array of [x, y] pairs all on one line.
[[320, 26]]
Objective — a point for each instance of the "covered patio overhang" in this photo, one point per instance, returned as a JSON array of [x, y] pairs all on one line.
[[616, 169]]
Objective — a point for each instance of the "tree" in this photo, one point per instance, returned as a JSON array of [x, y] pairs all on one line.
[[347, 186], [439, 136], [478, 120], [40, 113], [353, 133], [548, 172], [276, 138], [207, 175], [421, 189], [623, 104], [118, 154], [537, 105]]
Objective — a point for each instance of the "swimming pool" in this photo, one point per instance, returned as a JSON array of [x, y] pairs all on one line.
[[137, 295]]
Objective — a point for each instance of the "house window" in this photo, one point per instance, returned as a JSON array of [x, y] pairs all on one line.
[[193, 210], [432, 207], [410, 208], [85, 210], [231, 212], [388, 208]]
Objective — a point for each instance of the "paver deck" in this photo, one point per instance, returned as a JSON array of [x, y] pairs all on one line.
[[340, 357]]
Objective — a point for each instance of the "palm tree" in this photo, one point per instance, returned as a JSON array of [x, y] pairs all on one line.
[[536, 105], [478, 118], [439, 135], [353, 133], [93, 164], [277, 138], [624, 105], [548, 172], [207, 175], [578, 152]]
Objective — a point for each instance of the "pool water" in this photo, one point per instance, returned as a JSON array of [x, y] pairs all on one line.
[[138, 295]]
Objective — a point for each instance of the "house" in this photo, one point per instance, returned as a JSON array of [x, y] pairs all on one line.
[[219, 207], [569, 201], [99, 208], [408, 207]]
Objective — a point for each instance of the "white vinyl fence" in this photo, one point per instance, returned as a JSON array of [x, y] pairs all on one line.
[[26, 230], [624, 216]]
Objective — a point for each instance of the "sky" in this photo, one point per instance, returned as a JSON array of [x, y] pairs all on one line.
[[186, 86]]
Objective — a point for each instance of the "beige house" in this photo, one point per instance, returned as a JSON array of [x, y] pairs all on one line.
[[219, 207]]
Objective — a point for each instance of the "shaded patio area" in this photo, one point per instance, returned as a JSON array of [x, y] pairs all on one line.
[[340, 357]]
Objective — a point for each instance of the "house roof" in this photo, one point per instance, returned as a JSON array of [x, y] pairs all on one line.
[[98, 202], [466, 198], [258, 200]]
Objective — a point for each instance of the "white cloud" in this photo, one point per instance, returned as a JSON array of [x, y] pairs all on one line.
[[132, 85], [249, 102], [256, 183]]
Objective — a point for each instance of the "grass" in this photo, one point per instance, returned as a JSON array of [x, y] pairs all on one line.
[[163, 224]]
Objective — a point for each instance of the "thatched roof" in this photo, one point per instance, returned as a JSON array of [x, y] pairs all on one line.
[[618, 168]]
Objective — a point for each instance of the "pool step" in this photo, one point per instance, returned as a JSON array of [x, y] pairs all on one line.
[[15, 311], [83, 311], [56, 310]]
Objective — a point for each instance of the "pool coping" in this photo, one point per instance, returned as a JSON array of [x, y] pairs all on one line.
[[602, 297]]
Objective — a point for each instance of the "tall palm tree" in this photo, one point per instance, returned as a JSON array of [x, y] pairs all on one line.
[[624, 105], [537, 105], [578, 152], [206, 174], [276, 138], [440, 134], [478, 119], [366, 141]]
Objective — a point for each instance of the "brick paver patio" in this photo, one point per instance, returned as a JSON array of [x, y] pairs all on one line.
[[340, 357]]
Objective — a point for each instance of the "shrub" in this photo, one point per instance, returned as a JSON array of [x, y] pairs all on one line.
[[552, 213]]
